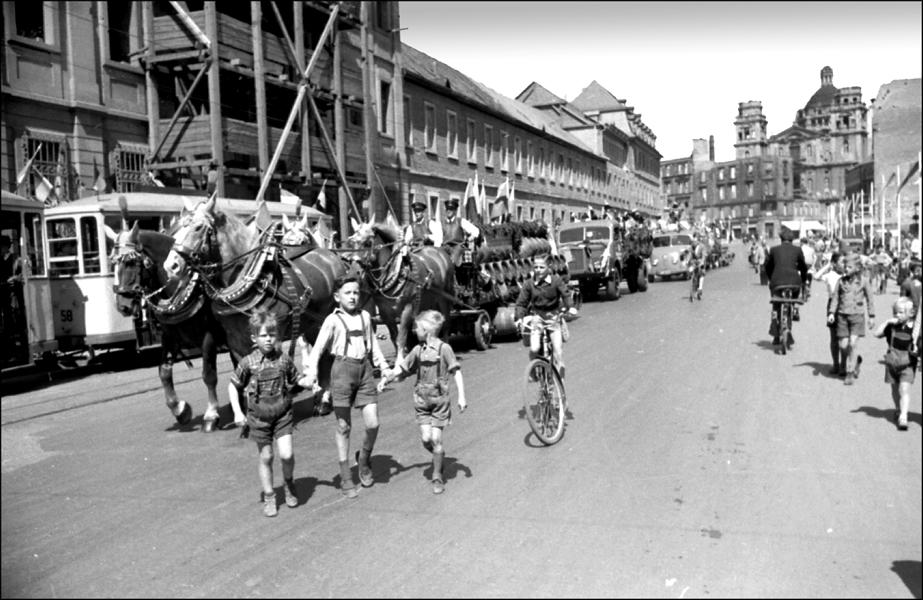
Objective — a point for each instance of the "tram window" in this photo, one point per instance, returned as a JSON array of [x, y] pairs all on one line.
[[62, 247], [34, 246], [89, 235]]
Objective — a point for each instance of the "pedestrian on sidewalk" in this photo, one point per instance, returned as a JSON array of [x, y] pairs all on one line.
[[852, 298], [267, 376], [433, 361], [348, 333], [830, 274], [901, 358]]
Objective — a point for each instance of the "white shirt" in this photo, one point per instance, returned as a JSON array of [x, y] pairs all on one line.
[[466, 225]]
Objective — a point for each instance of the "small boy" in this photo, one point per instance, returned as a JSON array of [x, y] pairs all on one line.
[[348, 333], [899, 333], [433, 361], [267, 375], [852, 297]]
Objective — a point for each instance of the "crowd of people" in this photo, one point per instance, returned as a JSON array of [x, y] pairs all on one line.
[[852, 279]]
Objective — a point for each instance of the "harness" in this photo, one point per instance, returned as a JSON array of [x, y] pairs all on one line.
[[351, 333], [432, 390], [268, 390]]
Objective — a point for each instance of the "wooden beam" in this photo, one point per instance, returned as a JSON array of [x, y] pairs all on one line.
[[328, 145], [298, 11], [190, 24], [150, 85], [214, 96], [179, 109], [259, 84]]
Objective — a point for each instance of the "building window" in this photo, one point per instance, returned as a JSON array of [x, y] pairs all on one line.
[[382, 15], [504, 151], [721, 192], [488, 146], [530, 159], [129, 162], [123, 26], [517, 154], [749, 190], [429, 112], [733, 173], [408, 123], [541, 162], [51, 160], [733, 190], [385, 117], [433, 204], [471, 143], [560, 169], [451, 134], [721, 174], [31, 23], [845, 145]]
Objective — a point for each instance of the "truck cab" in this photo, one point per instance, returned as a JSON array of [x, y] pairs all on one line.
[[594, 256]]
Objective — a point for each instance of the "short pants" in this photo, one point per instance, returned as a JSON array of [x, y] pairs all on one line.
[[264, 432], [900, 375], [432, 411], [352, 383], [849, 325]]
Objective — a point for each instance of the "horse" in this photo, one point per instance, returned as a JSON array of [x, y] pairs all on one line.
[[245, 270], [179, 306], [402, 282]]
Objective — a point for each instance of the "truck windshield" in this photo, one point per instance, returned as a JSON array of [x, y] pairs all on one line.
[[578, 234]]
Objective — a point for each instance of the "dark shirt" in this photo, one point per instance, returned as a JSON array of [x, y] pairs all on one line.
[[785, 265], [543, 296]]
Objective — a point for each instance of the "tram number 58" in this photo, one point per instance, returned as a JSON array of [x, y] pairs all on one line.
[[67, 316]]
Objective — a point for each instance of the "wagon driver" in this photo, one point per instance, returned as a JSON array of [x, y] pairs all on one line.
[[453, 231]]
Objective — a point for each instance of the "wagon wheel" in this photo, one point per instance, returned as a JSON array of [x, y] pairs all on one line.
[[483, 331]]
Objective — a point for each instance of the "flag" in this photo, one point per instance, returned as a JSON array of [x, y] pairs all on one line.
[[154, 179], [501, 203], [886, 182], [512, 201], [44, 190], [475, 197], [99, 186], [322, 197], [24, 172], [466, 205], [914, 169], [482, 202], [324, 232]]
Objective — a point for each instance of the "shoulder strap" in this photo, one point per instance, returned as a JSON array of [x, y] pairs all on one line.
[[345, 331]]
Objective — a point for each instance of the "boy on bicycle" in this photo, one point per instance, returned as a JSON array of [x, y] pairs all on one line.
[[696, 263], [543, 296]]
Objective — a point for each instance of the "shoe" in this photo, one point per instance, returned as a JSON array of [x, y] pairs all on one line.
[[350, 492], [244, 431], [438, 486], [858, 364], [365, 472], [902, 423], [699, 294], [834, 371], [850, 378], [791, 339], [291, 497], [269, 505]]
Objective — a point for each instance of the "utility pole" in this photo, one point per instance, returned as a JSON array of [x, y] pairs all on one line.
[[369, 121]]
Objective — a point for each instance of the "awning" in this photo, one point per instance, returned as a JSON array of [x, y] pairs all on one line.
[[804, 225]]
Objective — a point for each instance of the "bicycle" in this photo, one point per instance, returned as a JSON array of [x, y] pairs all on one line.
[[544, 397], [694, 291], [782, 308]]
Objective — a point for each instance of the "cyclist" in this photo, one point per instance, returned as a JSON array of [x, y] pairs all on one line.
[[785, 266], [543, 296], [696, 264]]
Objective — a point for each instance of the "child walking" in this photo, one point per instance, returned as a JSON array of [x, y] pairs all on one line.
[[900, 370], [267, 376], [852, 298], [433, 361], [348, 333]]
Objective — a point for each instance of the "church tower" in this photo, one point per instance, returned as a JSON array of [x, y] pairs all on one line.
[[752, 140]]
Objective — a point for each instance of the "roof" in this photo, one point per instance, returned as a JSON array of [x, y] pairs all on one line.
[[823, 97], [428, 68], [537, 95], [10, 199], [596, 97]]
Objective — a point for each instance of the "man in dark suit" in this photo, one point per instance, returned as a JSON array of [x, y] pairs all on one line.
[[785, 265]]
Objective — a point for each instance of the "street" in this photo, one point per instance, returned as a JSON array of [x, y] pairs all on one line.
[[697, 463]]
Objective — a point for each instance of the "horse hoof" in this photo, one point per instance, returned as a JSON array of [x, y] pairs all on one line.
[[209, 425], [185, 416]]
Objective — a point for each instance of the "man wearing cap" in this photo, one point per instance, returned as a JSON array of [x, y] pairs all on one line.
[[418, 231], [785, 266], [454, 231]]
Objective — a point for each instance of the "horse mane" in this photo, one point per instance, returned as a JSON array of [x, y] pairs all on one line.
[[156, 245], [388, 233]]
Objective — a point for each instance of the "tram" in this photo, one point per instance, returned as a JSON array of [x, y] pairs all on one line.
[[80, 278], [26, 327]]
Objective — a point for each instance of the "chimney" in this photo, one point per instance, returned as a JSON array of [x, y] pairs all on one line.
[[711, 148]]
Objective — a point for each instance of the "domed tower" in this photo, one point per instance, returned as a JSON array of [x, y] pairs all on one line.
[[815, 114], [750, 123]]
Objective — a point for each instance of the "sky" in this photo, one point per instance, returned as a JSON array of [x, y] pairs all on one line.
[[684, 66]]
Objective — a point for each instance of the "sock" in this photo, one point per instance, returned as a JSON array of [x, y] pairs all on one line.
[[371, 434], [437, 464], [346, 475], [428, 445]]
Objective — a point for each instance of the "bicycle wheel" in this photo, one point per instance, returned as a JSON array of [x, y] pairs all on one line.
[[543, 401], [784, 325]]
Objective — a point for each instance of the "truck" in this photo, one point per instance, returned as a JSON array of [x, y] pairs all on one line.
[[593, 251]]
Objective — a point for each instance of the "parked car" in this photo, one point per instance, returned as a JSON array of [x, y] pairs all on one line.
[[670, 255], [593, 256]]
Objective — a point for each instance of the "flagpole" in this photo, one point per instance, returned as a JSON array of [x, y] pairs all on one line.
[[884, 183], [920, 199], [862, 214], [872, 210], [898, 251]]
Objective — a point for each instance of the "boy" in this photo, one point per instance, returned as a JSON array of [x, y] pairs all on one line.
[[433, 361], [830, 274], [899, 333], [268, 375], [851, 299], [348, 333]]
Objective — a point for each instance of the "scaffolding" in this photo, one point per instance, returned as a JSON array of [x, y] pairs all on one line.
[[253, 92]]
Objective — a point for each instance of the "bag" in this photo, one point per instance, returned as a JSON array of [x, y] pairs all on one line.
[[895, 358]]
